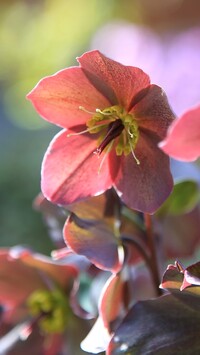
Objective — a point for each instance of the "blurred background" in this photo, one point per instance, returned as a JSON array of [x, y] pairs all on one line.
[[40, 37]]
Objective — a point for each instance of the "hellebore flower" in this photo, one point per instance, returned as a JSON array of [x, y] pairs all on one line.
[[35, 295], [183, 137], [113, 119]]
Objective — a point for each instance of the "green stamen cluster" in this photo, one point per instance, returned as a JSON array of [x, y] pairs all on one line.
[[127, 140], [50, 307]]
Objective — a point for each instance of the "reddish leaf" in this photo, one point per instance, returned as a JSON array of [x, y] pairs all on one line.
[[192, 276], [178, 278], [172, 278]]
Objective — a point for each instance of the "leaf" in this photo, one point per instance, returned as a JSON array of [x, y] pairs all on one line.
[[163, 326], [172, 278], [185, 280], [192, 276], [183, 199]]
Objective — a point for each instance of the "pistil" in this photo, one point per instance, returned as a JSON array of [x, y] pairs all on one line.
[[120, 125], [115, 128]]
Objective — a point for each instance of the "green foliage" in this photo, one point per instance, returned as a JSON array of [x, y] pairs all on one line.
[[183, 199]]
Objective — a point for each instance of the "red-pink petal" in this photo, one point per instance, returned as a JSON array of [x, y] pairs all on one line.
[[113, 290], [119, 83], [144, 187], [153, 112], [70, 170], [57, 98], [17, 281], [62, 274], [183, 138]]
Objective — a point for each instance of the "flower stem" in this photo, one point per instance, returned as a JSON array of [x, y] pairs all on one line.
[[139, 248], [153, 259]]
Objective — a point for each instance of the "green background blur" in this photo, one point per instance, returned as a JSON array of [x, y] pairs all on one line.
[[38, 38]]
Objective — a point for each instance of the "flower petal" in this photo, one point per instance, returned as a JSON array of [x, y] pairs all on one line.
[[153, 111], [183, 138], [14, 276], [95, 240], [57, 98], [61, 274], [70, 170], [98, 338], [121, 83], [144, 187], [114, 289], [92, 230]]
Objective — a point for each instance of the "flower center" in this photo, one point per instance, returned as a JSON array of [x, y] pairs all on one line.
[[50, 309], [118, 129]]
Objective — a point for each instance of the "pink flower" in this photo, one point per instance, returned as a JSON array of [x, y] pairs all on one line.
[[183, 137], [34, 295], [113, 119]]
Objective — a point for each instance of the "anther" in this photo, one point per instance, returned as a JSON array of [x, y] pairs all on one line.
[[84, 110], [134, 156], [103, 113], [130, 134]]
